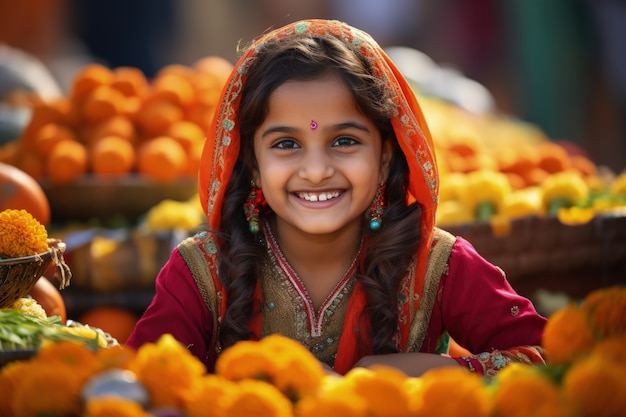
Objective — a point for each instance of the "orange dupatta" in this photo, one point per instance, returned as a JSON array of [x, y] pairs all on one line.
[[222, 148]]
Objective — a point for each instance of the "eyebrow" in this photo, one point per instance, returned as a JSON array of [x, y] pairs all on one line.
[[333, 128]]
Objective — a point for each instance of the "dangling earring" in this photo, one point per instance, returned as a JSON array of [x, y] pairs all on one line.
[[377, 208], [251, 207]]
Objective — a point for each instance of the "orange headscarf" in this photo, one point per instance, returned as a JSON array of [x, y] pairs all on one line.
[[222, 147]]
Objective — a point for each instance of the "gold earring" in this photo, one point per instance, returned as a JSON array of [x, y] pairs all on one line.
[[377, 208]]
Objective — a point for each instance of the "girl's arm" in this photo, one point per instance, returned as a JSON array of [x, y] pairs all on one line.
[[483, 313], [178, 309]]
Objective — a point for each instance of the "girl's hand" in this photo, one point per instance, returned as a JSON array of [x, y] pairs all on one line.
[[413, 364]]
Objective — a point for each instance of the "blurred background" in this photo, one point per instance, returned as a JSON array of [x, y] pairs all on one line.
[[557, 64]]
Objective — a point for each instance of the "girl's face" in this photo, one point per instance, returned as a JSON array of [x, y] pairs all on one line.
[[319, 159]]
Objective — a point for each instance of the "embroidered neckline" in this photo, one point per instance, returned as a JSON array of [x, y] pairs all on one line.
[[315, 319]]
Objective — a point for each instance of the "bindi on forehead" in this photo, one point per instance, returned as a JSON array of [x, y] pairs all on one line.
[[313, 125]]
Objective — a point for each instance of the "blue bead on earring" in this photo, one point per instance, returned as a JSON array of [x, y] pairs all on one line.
[[377, 208]]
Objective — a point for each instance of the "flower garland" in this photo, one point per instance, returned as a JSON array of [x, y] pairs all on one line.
[[586, 346]]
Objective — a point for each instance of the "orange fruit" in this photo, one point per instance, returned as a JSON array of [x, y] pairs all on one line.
[[175, 88], [162, 159], [119, 125], [216, 66], [130, 81], [88, 78], [187, 133], [102, 103], [49, 297], [49, 135], [66, 162], [19, 190], [112, 156], [43, 113], [116, 321], [155, 116]]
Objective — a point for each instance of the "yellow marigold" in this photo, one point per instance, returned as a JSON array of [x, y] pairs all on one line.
[[450, 213], [596, 387], [276, 359], [618, 185], [563, 189], [383, 390], [524, 202], [574, 215], [451, 186], [21, 234], [524, 391], [50, 389], [113, 406], [485, 192], [606, 310], [73, 354], [30, 306], [567, 335], [255, 398], [470, 395], [210, 397], [336, 398], [168, 370]]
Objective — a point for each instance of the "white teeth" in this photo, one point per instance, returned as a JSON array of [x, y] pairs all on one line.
[[318, 197]]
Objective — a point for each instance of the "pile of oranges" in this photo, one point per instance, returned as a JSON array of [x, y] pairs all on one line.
[[117, 122]]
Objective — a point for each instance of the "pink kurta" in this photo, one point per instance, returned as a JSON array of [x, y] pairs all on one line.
[[471, 293]]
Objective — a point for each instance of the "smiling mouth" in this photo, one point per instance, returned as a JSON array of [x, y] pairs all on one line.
[[319, 196]]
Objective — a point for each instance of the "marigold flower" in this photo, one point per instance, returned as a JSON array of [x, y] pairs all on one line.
[[567, 335], [596, 387], [618, 185], [337, 400], [485, 192], [573, 216], [275, 359], [113, 406], [21, 234], [563, 189], [470, 395], [48, 389], [254, 398], [383, 390], [524, 391], [612, 349], [524, 202], [167, 370], [78, 356], [10, 376], [118, 356], [30, 306], [210, 397], [606, 310]]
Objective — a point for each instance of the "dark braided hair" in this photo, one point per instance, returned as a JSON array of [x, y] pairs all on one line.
[[390, 250]]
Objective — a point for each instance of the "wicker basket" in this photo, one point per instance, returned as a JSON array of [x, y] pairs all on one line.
[[19, 275]]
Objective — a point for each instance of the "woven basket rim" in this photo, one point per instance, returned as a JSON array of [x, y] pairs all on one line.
[[40, 257]]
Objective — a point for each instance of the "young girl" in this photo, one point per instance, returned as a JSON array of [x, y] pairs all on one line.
[[320, 185]]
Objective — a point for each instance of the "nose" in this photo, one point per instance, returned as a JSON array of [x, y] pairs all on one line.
[[316, 166]]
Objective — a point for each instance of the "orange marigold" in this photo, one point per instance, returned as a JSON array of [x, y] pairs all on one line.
[[76, 355], [383, 390], [596, 387], [10, 375], [113, 406], [606, 310], [118, 356], [258, 399], [167, 370], [612, 349], [524, 391], [470, 395], [48, 389], [335, 398], [276, 359], [567, 335], [210, 397], [21, 234]]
